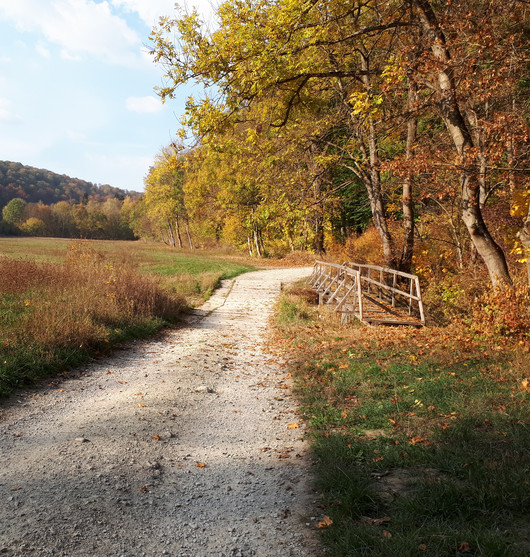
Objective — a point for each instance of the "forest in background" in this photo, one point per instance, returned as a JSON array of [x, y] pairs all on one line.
[[39, 202]]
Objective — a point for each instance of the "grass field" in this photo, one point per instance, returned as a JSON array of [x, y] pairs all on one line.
[[421, 438], [62, 301]]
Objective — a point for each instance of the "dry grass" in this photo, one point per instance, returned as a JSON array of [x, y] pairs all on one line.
[[427, 428], [49, 311]]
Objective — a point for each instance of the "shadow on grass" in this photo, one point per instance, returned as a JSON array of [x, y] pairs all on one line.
[[464, 492]]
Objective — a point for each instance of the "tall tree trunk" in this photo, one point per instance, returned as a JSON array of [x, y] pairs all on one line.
[[482, 162], [486, 246], [407, 252], [257, 240], [170, 234], [524, 237], [318, 203], [188, 234], [177, 230], [373, 182]]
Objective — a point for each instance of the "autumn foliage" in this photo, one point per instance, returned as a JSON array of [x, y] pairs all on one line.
[[393, 131]]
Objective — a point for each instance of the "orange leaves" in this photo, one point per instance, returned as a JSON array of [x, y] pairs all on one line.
[[200, 465], [157, 437], [419, 440], [326, 522], [293, 426]]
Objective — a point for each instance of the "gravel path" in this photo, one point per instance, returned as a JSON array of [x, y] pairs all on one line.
[[187, 445]]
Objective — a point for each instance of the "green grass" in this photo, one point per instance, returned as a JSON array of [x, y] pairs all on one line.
[[62, 301], [420, 449], [192, 274]]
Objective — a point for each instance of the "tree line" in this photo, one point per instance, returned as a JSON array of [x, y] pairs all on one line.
[[39, 202], [35, 185], [325, 118]]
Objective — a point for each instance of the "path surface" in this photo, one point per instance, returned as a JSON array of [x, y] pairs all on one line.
[[185, 445]]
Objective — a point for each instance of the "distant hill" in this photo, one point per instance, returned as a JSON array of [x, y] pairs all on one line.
[[36, 184]]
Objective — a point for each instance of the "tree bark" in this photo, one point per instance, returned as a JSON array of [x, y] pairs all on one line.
[[257, 241], [373, 182], [524, 237], [170, 234], [485, 245], [188, 234], [177, 230], [407, 252]]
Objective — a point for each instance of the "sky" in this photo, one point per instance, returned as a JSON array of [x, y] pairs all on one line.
[[77, 87]]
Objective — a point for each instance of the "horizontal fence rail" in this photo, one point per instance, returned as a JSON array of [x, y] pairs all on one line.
[[375, 295]]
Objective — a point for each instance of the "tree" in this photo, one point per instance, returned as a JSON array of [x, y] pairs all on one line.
[[34, 227], [164, 196], [365, 75], [452, 114], [13, 212]]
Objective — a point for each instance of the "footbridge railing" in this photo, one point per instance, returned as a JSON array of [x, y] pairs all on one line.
[[373, 294]]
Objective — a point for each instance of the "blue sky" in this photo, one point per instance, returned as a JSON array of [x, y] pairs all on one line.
[[76, 87]]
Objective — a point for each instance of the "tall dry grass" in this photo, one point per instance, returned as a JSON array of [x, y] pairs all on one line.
[[80, 305]]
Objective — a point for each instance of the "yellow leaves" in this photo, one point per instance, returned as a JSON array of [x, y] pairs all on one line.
[[365, 103], [141, 405], [520, 204], [525, 386], [293, 426]]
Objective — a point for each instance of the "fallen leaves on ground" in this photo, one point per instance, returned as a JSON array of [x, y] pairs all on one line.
[[326, 522]]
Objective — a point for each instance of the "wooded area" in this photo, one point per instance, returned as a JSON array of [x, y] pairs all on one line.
[[325, 119], [38, 202]]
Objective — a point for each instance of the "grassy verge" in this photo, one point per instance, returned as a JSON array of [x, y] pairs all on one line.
[[60, 302], [421, 437]]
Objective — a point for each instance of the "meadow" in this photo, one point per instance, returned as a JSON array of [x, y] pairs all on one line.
[[421, 438], [63, 301]]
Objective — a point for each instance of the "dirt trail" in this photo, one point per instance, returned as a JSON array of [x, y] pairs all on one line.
[[179, 446]]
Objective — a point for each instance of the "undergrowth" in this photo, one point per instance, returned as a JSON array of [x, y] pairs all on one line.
[[421, 437]]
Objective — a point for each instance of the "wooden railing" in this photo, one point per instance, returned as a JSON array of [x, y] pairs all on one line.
[[375, 295]]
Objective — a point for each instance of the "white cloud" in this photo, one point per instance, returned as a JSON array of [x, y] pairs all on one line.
[[144, 105], [79, 27], [148, 10], [43, 51], [151, 10], [6, 115]]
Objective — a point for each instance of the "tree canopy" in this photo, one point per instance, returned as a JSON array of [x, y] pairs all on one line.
[[322, 117]]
